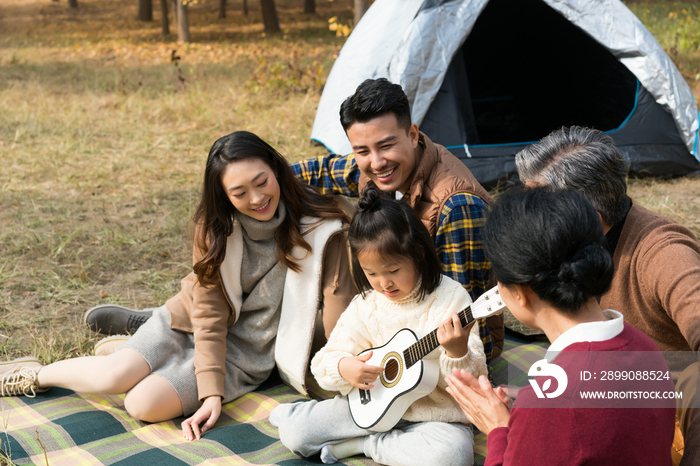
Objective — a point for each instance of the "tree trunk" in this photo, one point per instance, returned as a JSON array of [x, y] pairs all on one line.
[[183, 24], [145, 10], [310, 6], [245, 7], [173, 8], [269, 13], [361, 7], [73, 3], [222, 9], [164, 23]]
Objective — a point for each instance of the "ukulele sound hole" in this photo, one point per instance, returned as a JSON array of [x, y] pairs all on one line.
[[391, 370]]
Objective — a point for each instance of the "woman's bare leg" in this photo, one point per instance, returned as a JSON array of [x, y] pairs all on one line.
[[109, 375], [153, 400], [150, 397]]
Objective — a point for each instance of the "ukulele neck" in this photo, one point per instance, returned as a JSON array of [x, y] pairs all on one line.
[[429, 343]]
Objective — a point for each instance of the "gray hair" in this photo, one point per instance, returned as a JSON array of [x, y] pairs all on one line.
[[585, 160]]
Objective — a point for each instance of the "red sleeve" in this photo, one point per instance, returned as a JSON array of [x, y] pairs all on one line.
[[535, 436], [496, 445]]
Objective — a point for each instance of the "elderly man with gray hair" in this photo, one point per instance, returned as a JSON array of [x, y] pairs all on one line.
[[656, 285]]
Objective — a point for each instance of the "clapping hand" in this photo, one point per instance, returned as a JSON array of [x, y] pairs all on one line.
[[485, 407]]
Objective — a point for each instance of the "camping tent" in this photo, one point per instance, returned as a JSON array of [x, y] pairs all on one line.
[[486, 78]]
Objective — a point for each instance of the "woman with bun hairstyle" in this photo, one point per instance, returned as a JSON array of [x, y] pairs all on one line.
[[398, 274], [546, 249], [260, 236]]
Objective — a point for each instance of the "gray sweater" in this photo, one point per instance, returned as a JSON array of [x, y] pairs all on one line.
[[262, 281]]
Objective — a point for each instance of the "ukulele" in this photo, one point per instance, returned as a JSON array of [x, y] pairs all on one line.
[[408, 374]]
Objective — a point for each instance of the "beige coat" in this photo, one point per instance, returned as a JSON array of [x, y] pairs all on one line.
[[208, 312]]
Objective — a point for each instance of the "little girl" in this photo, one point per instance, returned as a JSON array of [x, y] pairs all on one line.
[[398, 274]]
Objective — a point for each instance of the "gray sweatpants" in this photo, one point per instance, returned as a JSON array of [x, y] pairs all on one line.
[[306, 426]]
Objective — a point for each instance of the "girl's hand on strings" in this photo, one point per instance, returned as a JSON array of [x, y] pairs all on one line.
[[360, 375], [209, 412]]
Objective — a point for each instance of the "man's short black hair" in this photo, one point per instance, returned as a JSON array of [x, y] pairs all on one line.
[[374, 98]]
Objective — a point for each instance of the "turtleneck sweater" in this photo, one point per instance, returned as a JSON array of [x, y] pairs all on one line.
[[262, 283], [372, 320]]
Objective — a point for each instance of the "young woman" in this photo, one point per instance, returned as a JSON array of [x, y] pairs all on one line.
[[547, 253], [260, 235], [399, 275]]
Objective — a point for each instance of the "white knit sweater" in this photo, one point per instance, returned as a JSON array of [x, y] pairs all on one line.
[[374, 320]]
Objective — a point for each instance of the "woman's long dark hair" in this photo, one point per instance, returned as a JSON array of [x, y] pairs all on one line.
[[551, 240], [213, 218]]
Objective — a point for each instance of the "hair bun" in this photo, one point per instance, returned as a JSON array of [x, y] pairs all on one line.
[[370, 199], [577, 268], [587, 273]]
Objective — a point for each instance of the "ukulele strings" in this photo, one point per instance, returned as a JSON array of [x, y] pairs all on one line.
[[428, 343]]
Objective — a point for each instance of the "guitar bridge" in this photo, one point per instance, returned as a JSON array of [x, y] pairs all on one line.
[[365, 397]]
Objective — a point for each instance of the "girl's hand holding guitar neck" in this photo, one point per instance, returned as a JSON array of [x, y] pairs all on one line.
[[453, 337], [360, 375]]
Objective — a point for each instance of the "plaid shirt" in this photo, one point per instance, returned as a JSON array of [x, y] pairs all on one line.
[[458, 241], [331, 174]]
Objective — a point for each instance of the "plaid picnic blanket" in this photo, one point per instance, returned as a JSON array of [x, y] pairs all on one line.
[[62, 428]]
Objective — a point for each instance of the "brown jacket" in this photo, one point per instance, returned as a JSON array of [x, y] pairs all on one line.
[[439, 175], [656, 285], [207, 312]]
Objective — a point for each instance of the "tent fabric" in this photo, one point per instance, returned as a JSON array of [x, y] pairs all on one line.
[[462, 62], [371, 45]]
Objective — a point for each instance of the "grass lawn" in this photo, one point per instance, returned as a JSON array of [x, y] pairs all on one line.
[[105, 127]]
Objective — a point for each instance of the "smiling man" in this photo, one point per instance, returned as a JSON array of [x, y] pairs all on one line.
[[389, 150]]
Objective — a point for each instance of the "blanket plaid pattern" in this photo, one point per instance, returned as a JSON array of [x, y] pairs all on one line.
[[66, 429]]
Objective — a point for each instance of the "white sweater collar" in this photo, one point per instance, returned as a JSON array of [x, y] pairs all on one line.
[[589, 331], [408, 301]]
